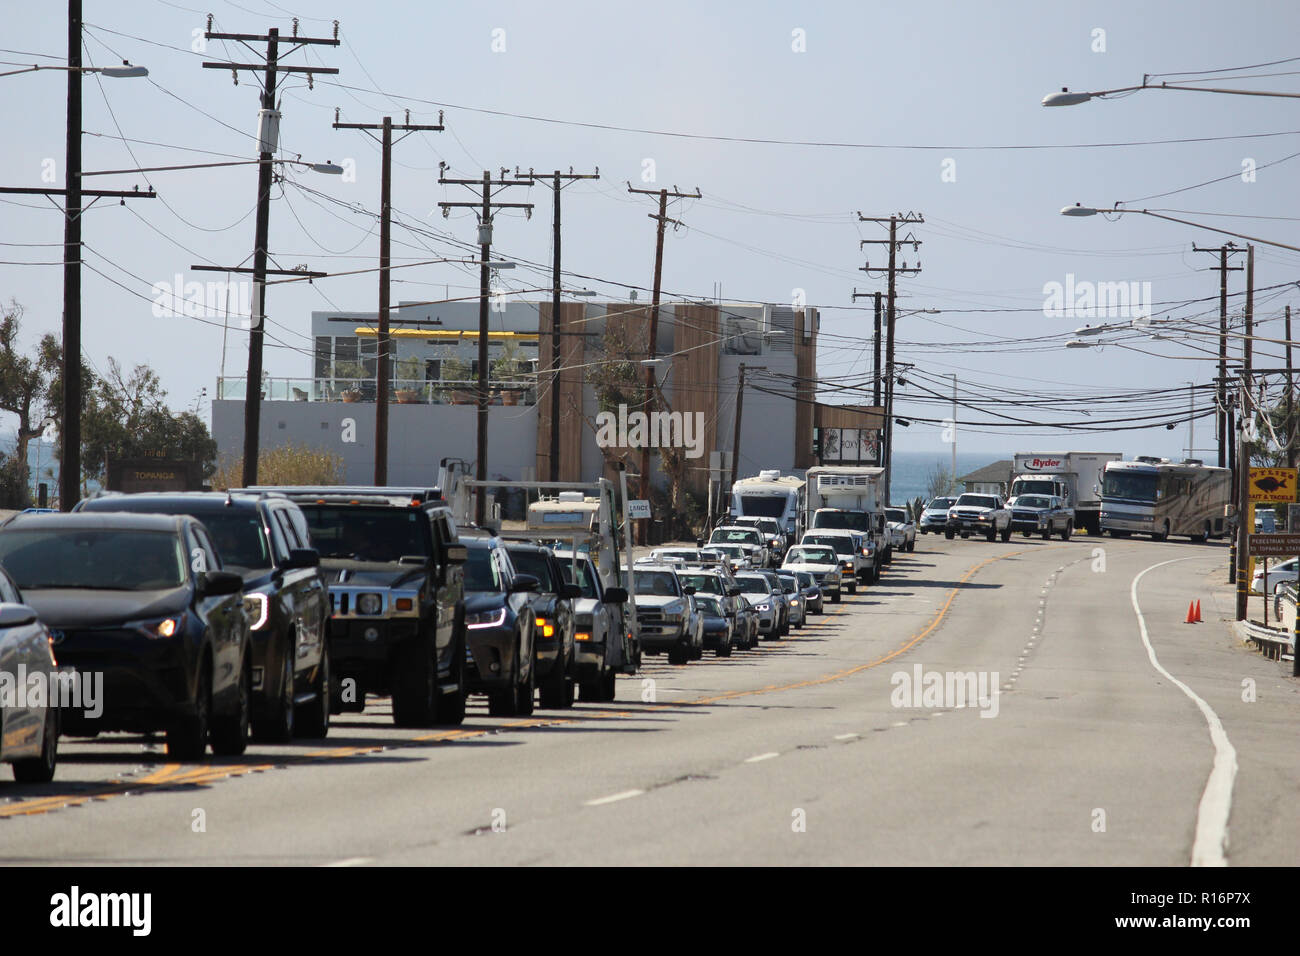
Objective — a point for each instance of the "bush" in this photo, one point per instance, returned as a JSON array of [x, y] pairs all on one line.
[[14, 491], [287, 464]]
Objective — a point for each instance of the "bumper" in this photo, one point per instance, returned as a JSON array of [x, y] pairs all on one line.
[[664, 637], [147, 683], [970, 525], [716, 639], [1127, 523], [489, 658], [1025, 524]]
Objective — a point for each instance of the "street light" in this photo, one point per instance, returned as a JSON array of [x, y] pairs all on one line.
[[124, 72], [1079, 210], [1067, 97]]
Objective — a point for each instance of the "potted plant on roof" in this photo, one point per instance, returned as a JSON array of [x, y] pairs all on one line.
[[455, 372], [409, 372], [509, 370], [354, 371]]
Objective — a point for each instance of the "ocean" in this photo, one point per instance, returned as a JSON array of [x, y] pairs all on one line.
[[912, 470]]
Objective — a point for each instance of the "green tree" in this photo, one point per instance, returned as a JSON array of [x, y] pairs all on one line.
[[28, 386]]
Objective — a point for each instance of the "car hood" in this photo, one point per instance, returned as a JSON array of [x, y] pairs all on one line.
[[657, 600], [74, 608], [369, 573], [752, 599], [812, 568], [585, 605], [476, 601]]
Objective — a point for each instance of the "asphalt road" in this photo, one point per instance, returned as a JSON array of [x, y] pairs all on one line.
[[1102, 746]]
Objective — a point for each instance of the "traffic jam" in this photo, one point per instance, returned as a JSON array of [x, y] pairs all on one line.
[[220, 618]]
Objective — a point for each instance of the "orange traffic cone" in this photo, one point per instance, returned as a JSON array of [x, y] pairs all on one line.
[[1198, 612], [1191, 613]]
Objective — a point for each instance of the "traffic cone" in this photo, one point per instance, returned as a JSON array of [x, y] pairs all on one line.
[[1198, 612], [1191, 613]]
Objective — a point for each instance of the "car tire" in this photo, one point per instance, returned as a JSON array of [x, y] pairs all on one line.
[[835, 597], [949, 535], [415, 685], [1006, 535], [314, 717], [41, 769], [525, 692], [501, 702], [187, 738], [724, 649], [678, 655], [1065, 532], [552, 691], [609, 686], [277, 724], [230, 732], [1164, 534]]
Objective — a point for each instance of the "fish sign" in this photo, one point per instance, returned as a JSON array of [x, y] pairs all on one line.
[[1272, 484]]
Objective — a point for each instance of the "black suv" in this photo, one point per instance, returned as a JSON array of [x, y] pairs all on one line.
[[553, 642], [142, 600], [502, 628], [392, 561], [263, 537]]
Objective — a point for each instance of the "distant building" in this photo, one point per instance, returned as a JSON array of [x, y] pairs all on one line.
[[990, 480], [432, 414]]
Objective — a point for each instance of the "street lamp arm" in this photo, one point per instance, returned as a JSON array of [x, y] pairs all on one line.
[[1226, 232], [318, 167], [1067, 97]]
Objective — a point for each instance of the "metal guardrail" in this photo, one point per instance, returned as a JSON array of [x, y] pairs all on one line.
[[401, 392]]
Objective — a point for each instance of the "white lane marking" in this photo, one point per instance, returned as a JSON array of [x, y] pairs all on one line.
[[899, 723], [614, 797], [757, 757], [350, 861], [1216, 802], [845, 736]]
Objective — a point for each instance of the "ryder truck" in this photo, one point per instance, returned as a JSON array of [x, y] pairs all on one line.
[[1074, 476]]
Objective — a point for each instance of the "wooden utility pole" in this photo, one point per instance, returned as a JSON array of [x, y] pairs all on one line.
[[663, 220], [875, 364], [383, 343], [268, 135], [893, 271], [735, 436], [557, 181], [1221, 402], [1290, 410], [484, 207]]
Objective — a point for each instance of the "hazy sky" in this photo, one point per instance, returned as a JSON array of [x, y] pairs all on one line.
[[933, 84]]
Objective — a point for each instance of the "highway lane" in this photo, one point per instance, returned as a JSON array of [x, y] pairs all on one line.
[[795, 753]]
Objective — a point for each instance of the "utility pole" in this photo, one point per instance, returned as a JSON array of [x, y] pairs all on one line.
[[484, 207], [1221, 398], [70, 426], [735, 437], [557, 183], [1243, 494], [663, 220], [1290, 410], [893, 271], [954, 426], [875, 365], [268, 130], [383, 343], [1250, 313]]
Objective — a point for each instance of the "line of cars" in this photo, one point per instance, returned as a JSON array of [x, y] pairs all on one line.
[[989, 516]]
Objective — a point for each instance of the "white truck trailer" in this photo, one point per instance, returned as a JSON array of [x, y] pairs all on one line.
[[1074, 476], [848, 496]]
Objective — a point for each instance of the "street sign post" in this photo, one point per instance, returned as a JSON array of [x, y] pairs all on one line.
[[638, 508], [1274, 545]]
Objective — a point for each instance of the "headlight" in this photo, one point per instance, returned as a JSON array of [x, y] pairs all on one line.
[[258, 609], [167, 627], [486, 618], [370, 603], [762, 607]]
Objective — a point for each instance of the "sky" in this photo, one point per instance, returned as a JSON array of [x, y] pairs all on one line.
[[880, 108]]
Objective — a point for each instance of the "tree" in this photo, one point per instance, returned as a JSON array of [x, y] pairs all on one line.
[[939, 483], [28, 386], [286, 464], [15, 492], [126, 417]]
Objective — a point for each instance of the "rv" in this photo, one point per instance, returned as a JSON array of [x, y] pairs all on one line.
[[1161, 498], [771, 495]]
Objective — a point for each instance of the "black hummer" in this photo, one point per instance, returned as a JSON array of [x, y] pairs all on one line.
[[394, 566]]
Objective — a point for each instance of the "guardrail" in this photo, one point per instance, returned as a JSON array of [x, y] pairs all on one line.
[[401, 391]]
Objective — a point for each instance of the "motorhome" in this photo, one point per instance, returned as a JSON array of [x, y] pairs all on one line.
[[1159, 497]]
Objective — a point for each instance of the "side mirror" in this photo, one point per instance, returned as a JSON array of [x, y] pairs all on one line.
[[525, 582], [457, 554], [572, 591], [615, 596], [16, 615], [301, 558], [218, 583]]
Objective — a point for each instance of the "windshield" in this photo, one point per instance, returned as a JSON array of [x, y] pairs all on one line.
[[1131, 485], [654, 583], [854, 520], [240, 539], [1032, 501], [584, 579], [789, 582], [977, 501], [940, 504], [805, 579], [710, 583], [766, 506], [810, 556], [481, 572], [535, 563], [709, 605], [1026, 486], [896, 514], [93, 559], [368, 534], [735, 536], [841, 544], [754, 586]]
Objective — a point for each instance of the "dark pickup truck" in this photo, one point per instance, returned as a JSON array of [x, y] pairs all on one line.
[[393, 562]]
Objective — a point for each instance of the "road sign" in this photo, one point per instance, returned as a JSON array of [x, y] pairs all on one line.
[[1274, 545], [1272, 484], [638, 508]]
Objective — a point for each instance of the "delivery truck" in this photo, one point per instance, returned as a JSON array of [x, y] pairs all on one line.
[[1074, 476]]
